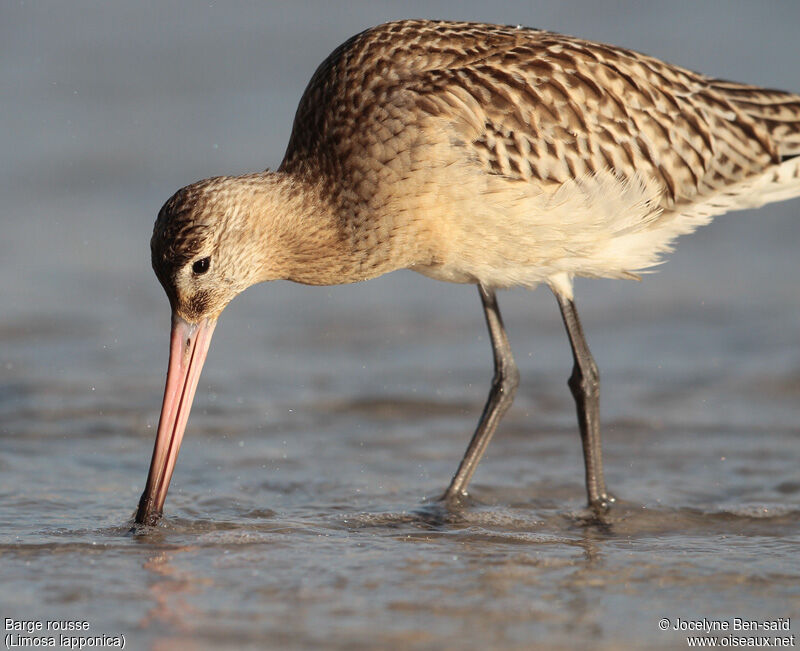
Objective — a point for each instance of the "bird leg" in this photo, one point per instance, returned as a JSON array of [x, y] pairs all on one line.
[[501, 395], [585, 386]]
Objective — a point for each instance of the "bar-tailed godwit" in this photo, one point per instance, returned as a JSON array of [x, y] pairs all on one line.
[[471, 153]]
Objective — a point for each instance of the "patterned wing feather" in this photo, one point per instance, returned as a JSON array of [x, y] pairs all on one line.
[[536, 106]]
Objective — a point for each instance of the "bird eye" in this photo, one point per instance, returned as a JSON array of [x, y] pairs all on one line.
[[201, 266]]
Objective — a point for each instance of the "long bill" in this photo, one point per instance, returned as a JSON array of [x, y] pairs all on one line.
[[187, 351]]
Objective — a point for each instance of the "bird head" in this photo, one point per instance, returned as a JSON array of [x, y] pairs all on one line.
[[197, 248], [199, 256], [211, 241]]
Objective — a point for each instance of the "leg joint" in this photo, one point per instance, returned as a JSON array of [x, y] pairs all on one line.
[[585, 380], [506, 379]]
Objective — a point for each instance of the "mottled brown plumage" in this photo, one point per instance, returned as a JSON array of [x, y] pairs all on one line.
[[492, 155]]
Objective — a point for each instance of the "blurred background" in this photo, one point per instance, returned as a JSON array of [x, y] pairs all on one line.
[[324, 407]]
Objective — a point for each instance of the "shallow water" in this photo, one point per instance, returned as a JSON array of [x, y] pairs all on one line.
[[302, 512]]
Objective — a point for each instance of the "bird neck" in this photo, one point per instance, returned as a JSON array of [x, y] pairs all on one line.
[[305, 234]]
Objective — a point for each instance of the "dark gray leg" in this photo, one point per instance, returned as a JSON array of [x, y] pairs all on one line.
[[504, 386], [585, 385]]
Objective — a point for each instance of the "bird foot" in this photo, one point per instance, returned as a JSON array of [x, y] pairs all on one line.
[[602, 503], [454, 500]]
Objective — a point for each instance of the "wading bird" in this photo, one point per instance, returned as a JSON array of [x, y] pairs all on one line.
[[471, 153]]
